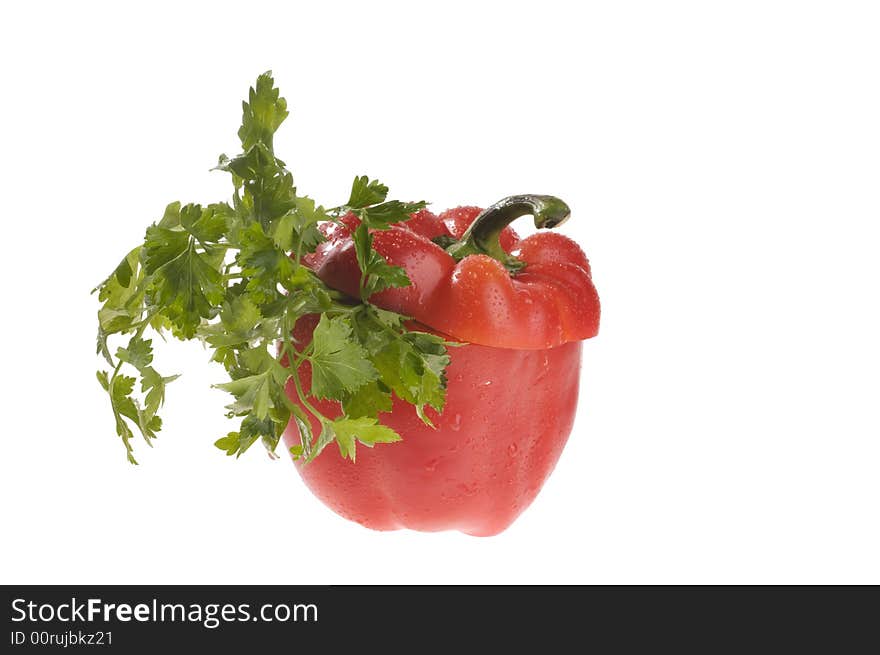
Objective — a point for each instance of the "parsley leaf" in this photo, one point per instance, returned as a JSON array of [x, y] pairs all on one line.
[[368, 400], [207, 225], [381, 217], [252, 429], [139, 352], [153, 385], [366, 192], [189, 288], [263, 265], [411, 364], [339, 364], [124, 406], [122, 296], [376, 273], [263, 113], [163, 245], [367, 201], [297, 231], [251, 394], [365, 430]]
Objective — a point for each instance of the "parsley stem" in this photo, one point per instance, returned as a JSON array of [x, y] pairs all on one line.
[[304, 400], [307, 448], [482, 237], [294, 360], [115, 372]]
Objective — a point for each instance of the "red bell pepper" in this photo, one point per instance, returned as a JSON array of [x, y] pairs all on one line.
[[521, 308]]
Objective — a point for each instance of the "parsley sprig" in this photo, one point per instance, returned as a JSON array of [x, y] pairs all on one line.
[[231, 275]]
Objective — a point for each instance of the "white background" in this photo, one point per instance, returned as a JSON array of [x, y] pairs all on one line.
[[722, 161]]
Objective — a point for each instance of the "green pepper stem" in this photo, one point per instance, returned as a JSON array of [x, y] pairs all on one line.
[[483, 236]]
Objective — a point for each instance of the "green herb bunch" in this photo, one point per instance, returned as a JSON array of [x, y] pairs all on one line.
[[231, 276]]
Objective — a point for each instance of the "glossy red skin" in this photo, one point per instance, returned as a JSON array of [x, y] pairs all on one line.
[[494, 445], [551, 302], [512, 390]]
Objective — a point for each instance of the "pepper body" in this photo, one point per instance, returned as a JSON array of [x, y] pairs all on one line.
[[508, 415], [519, 316]]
